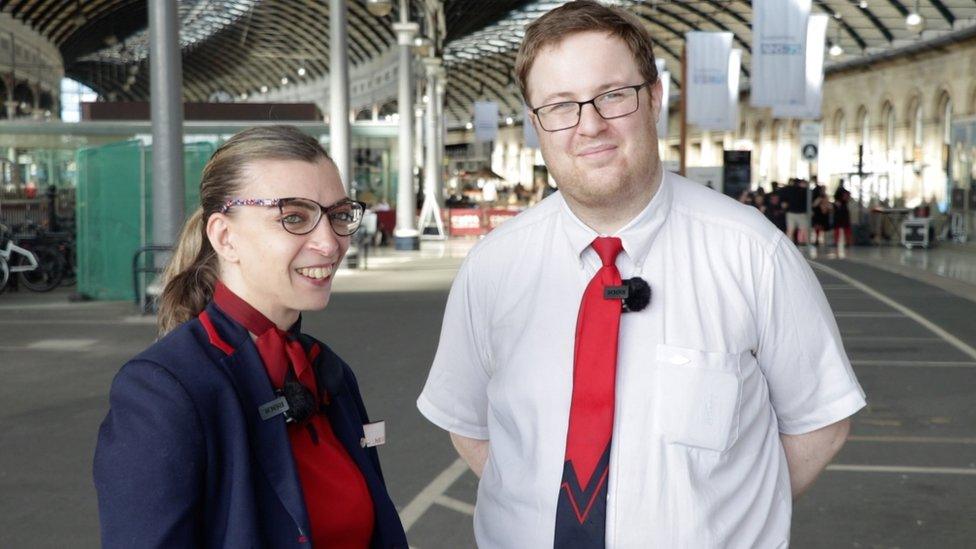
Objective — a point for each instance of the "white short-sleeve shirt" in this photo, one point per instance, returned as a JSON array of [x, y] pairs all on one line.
[[737, 346]]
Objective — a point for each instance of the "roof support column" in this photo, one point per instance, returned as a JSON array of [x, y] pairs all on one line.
[[430, 213], [440, 132], [11, 105], [405, 235], [339, 147], [36, 112], [166, 106]]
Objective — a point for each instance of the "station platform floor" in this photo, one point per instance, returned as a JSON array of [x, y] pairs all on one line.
[[906, 478]]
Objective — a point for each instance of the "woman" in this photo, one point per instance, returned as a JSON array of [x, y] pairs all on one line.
[[822, 208], [235, 429], [842, 218]]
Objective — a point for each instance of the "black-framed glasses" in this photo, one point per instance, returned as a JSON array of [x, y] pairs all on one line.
[[611, 104], [300, 216]]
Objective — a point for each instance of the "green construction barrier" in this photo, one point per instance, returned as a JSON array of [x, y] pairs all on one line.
[[114, 211]]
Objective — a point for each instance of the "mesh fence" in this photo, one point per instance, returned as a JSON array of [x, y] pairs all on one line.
[[114, 211]]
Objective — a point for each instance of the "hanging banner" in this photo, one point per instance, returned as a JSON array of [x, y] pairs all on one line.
[[811, 107], [735, 66], [529, 137], [662, 121], [779, 34], [708, 55], [665, 78], [485, 121]]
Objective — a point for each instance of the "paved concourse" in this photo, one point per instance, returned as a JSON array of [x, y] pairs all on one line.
[[906, 478]]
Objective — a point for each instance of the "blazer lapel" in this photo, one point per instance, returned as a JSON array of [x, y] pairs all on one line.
[[348, 429], [269, 438], [344, 416]]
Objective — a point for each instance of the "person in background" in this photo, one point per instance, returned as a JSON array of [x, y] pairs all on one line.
[[745, 197], [759, 201], [822, 210], [236, 429], [797, 220], [761, 193], [843, 236], [489, 192], [774, 189], [775, 212], [841, 190]]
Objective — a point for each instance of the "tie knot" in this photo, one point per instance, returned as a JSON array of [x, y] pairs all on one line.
[[607, 247]]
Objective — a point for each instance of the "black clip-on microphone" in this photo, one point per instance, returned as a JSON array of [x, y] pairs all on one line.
[[301, 402], [294, 401], [634, 294]]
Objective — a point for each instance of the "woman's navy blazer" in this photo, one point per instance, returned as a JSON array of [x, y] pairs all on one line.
[[185, 460]]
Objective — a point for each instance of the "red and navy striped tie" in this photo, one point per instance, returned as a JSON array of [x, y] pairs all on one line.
[[581, 511]]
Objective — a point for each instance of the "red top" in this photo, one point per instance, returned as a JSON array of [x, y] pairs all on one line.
[[339, 505]]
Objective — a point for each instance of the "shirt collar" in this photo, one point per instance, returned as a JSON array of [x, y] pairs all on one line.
[[243, 313], [636, 236]]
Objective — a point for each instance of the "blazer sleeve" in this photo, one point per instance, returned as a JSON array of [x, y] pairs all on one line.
[[149, 462]]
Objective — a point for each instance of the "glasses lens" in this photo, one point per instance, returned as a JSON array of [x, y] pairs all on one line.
[[559, 116], [346, 217], [299, 215], [617, 103]]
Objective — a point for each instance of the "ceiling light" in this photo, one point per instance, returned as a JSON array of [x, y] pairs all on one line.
[[264, 89], [837, 15], [302, 71], [835, 50], [284, 80], [864, 4], [468, 126], [244, 96], [914, 20], [379, 8], [509, 121], [422, 45]]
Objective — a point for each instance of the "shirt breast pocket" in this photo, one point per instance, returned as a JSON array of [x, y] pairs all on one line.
[[696, 397]]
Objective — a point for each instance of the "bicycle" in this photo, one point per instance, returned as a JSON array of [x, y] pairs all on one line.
[[25, 260], [50, 263]]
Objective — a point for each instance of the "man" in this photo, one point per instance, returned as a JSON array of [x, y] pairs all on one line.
[[689, 422], [797, 220]]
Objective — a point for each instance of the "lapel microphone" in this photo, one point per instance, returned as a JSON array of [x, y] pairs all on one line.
[[634, 294], [301, 402], [294, 401]]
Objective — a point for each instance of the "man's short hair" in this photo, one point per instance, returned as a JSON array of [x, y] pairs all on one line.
[[584, 16]]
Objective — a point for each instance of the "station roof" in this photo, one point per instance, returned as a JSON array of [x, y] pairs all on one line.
[[232, 48]]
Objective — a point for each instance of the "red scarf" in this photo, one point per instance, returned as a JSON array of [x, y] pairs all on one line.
[[278, 349]]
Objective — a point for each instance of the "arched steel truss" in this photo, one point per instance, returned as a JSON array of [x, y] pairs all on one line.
[[234, 47]]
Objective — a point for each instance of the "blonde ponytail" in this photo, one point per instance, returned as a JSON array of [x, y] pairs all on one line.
[[189, 278]]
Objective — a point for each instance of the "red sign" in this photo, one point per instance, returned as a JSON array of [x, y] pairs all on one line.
[[466, 222]]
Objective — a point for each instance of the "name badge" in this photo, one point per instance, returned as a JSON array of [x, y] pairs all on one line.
[[616, 292], [374, 434], [271, 409]]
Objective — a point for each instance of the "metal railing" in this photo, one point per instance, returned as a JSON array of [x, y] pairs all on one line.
[[145, 302]]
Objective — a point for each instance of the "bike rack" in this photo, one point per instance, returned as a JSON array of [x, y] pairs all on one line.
[[140, 295]]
